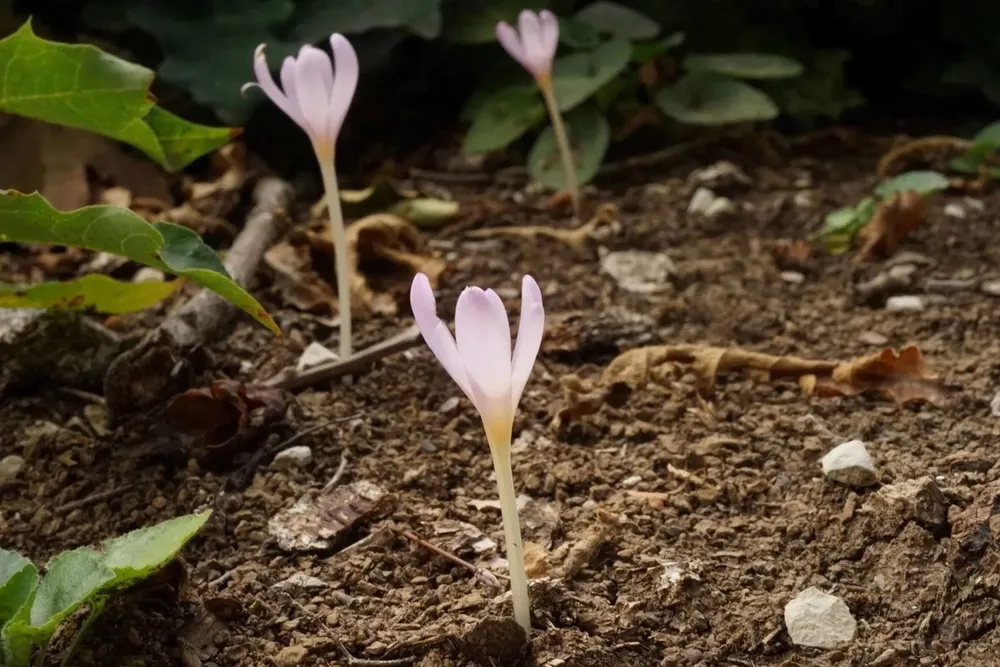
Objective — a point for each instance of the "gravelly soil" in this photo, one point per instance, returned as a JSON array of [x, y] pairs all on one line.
[[693, 570]]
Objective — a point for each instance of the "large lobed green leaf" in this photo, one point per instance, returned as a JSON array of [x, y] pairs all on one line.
[[96, 292], [708, 99], [31, 219], [578, 76], [81, 86]]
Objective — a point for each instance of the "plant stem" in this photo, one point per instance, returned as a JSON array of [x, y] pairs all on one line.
[[329, 174], [562, 141], [96, 607], [512, 534]]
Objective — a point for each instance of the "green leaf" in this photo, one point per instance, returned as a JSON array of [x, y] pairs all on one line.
[[821, 91], [618, 20], [840, 220], [71, 578], [81, 86], [744, 65], [168, 247], [589, 135], [18, 580], [988, 136], [576, 77], [841, 226], [648, 51], [705, 99], [96, 292], [138, 554], [316, 19], [921, 182], [578, 35], [503, 118]]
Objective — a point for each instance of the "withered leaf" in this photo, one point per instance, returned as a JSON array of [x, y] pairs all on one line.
[[899, 377], [223, 411], [893, 221]]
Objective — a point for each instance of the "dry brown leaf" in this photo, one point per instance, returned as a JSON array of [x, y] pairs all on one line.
[[298, 283], [386, 237], [900, 377], [605, 221], [790, 255], [894, 219]]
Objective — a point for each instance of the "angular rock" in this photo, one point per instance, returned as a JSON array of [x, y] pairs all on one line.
[[917, 500], [293, 457], [850, 464], [639, 271], [301, 581], [314, 355], [10, 466], [819, 620], [707, 203]]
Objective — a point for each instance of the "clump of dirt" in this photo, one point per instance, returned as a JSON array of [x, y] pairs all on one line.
[[668, 529]]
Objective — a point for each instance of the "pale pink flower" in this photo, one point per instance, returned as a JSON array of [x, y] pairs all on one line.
[[534, 42], [311, 93], [479, 357]]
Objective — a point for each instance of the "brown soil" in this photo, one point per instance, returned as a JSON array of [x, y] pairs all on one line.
[[696, 572]]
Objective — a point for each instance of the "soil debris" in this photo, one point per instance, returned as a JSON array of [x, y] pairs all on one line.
[[226, 411], [325, 522], [894, 219]]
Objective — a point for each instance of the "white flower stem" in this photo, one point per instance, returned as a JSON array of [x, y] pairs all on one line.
[[329, 174], [512, 534], [562, 141]]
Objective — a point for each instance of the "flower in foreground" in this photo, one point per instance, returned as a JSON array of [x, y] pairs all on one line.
[[317, 99], [479, 359], [533, 44]]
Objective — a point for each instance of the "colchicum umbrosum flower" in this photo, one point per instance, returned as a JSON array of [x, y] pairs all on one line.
[[480, 360], [317, 98], [533, 44]]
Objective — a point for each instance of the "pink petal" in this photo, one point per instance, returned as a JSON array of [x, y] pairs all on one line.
[[345, 82], [530, 28], [529, 338], [288, 85], [270, 88], [435, 333], [550, 36], [482, 333], [511, 43], [313, 84]]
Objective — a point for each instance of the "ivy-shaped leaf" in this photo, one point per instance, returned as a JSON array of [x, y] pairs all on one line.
[[619, 20], [80, 86], [745, 65], [165, 246], [706, 99], [503, 118], [136, 555], [578, 76], [921, 182]]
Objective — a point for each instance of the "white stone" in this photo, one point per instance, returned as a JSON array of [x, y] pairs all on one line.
[[720, 173], [819, 620], [10, 466], [904, 303], [639, 271], [850, 464], [995, 405], [148, 274], [793, 277], [991, 287], [705, 202], [293, 457], [954, 210], [301, 581], [314, 355]]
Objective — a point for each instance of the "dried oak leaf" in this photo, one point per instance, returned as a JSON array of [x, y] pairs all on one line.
[[894, 219], [900, 377], [218, 414], [382, 236]]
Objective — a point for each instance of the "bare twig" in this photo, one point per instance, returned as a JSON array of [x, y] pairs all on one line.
[[337, 475], [484, 575], [292, 379], [92, 499], [159, 367]]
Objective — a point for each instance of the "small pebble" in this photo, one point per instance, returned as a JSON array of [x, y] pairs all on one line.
[[10, 466], [148, 274], [290, 656], [449, 406], [314, 355], [793, 277], [293, 457], [904, 303], [819, 620], [705, 202], [873, 338], [850, 464], [991, 287], [994, 407], [954, 210]]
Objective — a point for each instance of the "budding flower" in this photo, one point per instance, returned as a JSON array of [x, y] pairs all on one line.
[[317, 98], [313, 96], [534, 43], [480, 360]]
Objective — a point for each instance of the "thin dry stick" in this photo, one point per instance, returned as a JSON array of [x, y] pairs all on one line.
[[92, 499], [485, 575], [341, 469], [292, 379]]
